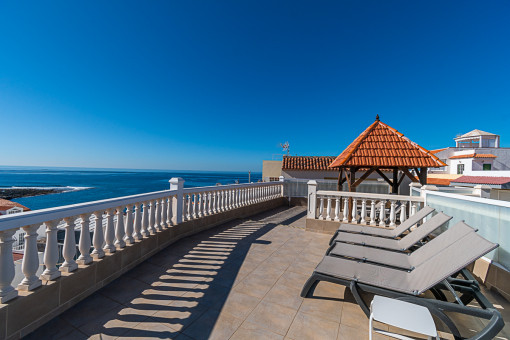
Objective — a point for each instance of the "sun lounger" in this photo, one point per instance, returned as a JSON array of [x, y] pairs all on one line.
[[431, 274], [393, 233], [407, 261], [402, 244]]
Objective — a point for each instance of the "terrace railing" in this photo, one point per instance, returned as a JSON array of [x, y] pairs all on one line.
[[366, 208], [129, 219]]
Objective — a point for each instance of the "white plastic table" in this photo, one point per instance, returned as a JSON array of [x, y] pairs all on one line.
[[403, 315]]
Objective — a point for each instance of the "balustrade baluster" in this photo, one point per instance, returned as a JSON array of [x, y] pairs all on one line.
[[393, 215], [328, 210], [382, 214], [190, 203], [7, 271], [164, 210], [169, 213], [204, 204], [214, 200], [109, 233], [184, 207], [363, 211], [345, 211], [30, 262], [157, 216], [403, 212], [209, 203], [84, 243], [137, 223], [145, 219], [98, 238], [221, 198], [152, 217], [337, 209], [51, 251], [129, 239], [354, 211], [372, 213], [321, 208], [119, 229], [194, 199], [413, 211], [69, 249]]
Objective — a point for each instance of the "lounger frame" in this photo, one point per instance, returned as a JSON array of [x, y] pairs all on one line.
[[468, 286]]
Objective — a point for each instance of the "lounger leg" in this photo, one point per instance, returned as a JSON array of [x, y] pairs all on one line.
[[310, 283], [355, 292]]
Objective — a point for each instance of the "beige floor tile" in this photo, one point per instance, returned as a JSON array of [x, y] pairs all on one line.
[[254, 286], [326, 309], [273, 317], [213, 324], [349, 333], [306, 326], [151, 329], [284, 295], [238, 304], [353, 316], [251, 331]]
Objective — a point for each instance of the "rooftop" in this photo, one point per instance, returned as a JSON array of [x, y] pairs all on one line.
[[6, 204], [240, 280], [482, 180], [474, 155], [320, 163], [383, 146], [476, 133]]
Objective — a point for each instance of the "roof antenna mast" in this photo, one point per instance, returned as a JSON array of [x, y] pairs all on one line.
[[286, 147]]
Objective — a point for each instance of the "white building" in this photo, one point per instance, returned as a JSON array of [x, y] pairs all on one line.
[[9, 207], [477, 153]]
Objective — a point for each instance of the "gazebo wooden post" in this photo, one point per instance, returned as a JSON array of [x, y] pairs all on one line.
[[395, 183], [352, 188], [423, 176], [340, 180]]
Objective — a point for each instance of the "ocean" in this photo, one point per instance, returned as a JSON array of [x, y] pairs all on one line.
[[96, 184]]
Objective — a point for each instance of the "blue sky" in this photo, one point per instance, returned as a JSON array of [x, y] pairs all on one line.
[[217, 85]]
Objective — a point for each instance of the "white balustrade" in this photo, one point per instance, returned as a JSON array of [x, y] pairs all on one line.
[[30, 259], [84, 244], [127, 220], [367, 208], [69, 249]]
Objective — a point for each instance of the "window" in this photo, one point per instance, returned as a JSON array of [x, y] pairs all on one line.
[[460, 169], [487, 167]]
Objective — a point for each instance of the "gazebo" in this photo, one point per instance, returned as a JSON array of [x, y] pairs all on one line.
[[382, 148]]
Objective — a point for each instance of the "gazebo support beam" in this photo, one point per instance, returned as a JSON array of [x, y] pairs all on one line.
[[423, 176], [408, 174], [394, 182], [350, 182], [341, 180], [384, 177], [362, 178]]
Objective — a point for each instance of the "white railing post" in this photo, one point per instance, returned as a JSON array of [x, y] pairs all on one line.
[[84, 244], [98, 238], [30, 259], [145, 219], [129, 239], [164, 210], [393, 216], [109, 234], [328, 211], [169, 212], [321, 208], [345, 211], [354, 211], [51, 251], [363, 211], [403, 212], [194, 203], [69, 249], [337, 209], [177, 183], [119, 229], [157, 215], [382, 214], [7, 271], [282, 187], [372, 213], [137, 228], [152, 218]]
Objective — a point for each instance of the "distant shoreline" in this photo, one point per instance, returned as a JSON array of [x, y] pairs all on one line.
[[19, 192]]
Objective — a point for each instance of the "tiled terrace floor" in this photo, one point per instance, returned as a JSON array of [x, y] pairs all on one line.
[[237, 281]]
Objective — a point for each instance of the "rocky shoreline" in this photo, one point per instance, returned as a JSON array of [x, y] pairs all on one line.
[[12, 193]]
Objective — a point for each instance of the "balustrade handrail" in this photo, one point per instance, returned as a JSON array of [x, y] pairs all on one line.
[[13, 221], [370, 196]]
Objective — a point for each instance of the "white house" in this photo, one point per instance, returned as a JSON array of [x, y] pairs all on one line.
[[9, 207], [476, 153]]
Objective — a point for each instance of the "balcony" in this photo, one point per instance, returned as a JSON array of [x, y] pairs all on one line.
[[232, 269]]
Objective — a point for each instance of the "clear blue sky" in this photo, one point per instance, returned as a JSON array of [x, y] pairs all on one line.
[[217, 85]]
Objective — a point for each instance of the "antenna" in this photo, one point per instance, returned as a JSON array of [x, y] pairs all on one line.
[[286, 147]]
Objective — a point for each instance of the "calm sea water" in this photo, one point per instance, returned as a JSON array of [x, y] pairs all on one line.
[[105, 183]]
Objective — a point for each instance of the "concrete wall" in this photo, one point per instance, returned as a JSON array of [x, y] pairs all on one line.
[[32, 309], [271, 169], [310, 174], [501, 163]]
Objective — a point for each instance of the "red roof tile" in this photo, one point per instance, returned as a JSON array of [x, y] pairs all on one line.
[[482, 180], [437, 150], [6, 204], [474, 155], [382, 146], [438, 181], [307, 163]]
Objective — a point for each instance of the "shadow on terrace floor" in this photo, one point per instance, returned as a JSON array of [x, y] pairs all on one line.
[[181, 292]]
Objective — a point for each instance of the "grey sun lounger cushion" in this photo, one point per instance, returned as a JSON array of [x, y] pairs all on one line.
[[402, 244], [435, 269], [402, 228], [404, 260]]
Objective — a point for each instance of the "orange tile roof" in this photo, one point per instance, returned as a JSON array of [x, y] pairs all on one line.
[[307, 163], [474, 155], [382, 146], [439, 181], [437, 150], [6, 204]]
